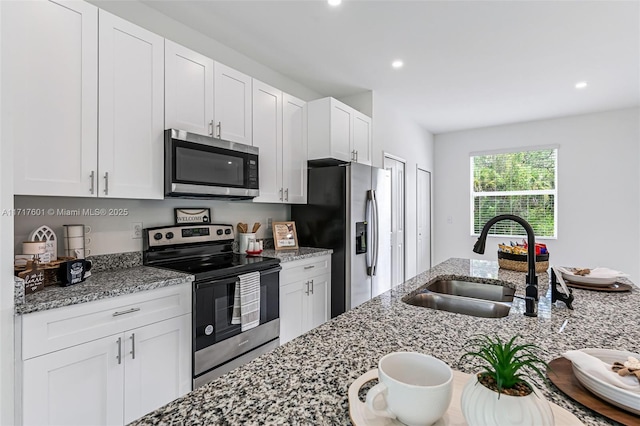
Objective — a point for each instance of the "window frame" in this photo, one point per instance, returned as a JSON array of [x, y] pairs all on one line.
[[553, 192]]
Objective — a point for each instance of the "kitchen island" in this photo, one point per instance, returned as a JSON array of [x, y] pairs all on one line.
[[306, 380]]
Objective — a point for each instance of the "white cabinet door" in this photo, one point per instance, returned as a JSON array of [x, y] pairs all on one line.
[[362, 138], [293, 300], [341, 131], [157, 365], [267, 136], [319, 303], [232, 104], [81, 385], [51, 102], [188, 90], [294, 150], [131, 102]]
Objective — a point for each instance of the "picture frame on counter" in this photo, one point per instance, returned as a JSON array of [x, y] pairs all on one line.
[[285, 236], [192, 216]]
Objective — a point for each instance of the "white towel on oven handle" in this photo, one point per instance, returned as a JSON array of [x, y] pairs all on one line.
[[246, 301]]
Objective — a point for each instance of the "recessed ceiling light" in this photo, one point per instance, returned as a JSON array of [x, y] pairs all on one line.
[[581, 85], [397, 64], [334, 2]]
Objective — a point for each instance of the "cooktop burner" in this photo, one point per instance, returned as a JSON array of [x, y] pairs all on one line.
[[202, 250]]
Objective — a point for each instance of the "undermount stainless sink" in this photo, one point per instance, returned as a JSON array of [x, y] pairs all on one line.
[[464, 297], [483, 291]]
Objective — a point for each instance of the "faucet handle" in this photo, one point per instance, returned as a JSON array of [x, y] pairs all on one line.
[[557, 295]]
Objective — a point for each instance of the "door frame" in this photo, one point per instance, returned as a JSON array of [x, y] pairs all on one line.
[[390, 156], [430, 207]]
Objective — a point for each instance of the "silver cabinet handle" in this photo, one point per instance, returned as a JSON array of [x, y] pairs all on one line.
[[356, 156], [286, 194], [119, 356], [92, 176], [211, 128], [133, 346], [353, 155], [307, 290], [310, 267], [106, 183], [219, 127], [128, 311], [311, 286], [280, 194]]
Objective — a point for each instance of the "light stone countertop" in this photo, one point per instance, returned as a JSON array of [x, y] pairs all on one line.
[[100, 285], [306, 380], [291, 255]]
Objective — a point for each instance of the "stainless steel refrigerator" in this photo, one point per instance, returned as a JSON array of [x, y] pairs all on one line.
[[349, 211]]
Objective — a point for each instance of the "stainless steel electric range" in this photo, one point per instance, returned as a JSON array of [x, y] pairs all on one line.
[[206, 252]]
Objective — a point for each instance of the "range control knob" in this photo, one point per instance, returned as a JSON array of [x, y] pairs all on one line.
[[157, 236], [219, 232], [169, 235], [227, 231]]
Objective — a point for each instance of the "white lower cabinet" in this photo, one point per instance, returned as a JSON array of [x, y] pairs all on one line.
[[305, 296], [114, 379]]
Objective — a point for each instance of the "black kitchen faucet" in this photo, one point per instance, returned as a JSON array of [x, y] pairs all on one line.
[[531, 291]]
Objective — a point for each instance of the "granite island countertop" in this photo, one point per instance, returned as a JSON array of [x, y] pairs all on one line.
[[306, 380], [100, 285]]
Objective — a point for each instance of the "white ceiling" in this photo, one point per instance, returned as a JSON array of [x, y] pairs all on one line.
[[467, 64]]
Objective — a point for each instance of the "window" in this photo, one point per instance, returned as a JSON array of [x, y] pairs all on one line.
[[521, 183]]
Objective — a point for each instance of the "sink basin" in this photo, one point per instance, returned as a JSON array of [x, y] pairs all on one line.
[[464, 297], [495, 293], [461, 305]]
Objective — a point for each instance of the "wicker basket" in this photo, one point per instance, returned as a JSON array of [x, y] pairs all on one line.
[[518, 262], [50, 270]]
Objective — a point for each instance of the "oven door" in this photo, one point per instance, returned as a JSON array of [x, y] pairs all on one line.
[[216, 340], [200, 166]]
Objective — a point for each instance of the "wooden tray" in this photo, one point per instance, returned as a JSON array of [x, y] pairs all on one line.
[[612, 287], [361, 416], [563, 378]]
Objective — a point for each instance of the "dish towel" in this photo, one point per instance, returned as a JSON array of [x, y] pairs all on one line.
[[246, 301], [600, 369]]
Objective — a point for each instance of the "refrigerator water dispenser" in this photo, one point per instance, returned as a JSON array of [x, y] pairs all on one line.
[[361, 237]]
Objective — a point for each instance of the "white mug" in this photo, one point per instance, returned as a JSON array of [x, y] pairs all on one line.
[[416, 388], [243, 241], [70, 231]]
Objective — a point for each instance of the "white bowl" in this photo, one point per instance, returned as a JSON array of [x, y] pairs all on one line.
[[625, 399]]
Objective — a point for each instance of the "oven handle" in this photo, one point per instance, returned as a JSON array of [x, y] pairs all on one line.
[[233, 279]]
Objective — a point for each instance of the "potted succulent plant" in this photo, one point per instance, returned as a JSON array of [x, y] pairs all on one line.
[[501, 394]]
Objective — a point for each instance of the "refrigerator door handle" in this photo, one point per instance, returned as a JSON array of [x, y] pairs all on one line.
[[373, 202], [376, 228]]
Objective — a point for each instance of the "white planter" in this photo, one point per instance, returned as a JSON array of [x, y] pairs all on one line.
[[481, 407]]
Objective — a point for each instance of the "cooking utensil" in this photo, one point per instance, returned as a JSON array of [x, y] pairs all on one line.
[[256, 226]]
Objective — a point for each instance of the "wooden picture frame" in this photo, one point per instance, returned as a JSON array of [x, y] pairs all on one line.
[[192, 216], [285, 236]]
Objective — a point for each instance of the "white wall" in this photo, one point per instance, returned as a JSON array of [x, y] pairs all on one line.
[[395, 134], [598, 188], [146, 17], [112, 234], [6, 267]]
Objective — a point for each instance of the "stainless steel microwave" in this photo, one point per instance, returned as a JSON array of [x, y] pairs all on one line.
[[199, 166]]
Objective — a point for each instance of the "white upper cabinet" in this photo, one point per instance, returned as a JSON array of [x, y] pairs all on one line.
[[338, 131], [362, 138], [279, 131], [50, 68], [131, 105], [232, 104], [267, 131], [188, 90], [294, 149]]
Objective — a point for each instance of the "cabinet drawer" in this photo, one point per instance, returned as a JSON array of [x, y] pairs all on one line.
[[304, 268], [48, 331]]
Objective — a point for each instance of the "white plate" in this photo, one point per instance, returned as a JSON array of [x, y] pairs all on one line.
[[625, 399], [603, 280]]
